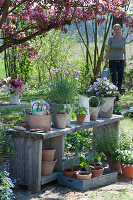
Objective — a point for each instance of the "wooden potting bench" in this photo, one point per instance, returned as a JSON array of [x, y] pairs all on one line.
[[26, 164]]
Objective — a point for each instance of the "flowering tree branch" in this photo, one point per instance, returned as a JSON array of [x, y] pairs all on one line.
[[22, 20]]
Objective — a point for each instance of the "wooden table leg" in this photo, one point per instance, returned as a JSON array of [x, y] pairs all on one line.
[[26, 164]]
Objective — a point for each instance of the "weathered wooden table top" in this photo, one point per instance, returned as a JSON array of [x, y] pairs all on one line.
[[74, 127]]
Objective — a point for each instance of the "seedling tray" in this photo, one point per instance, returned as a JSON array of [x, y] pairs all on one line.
[[108, 177]]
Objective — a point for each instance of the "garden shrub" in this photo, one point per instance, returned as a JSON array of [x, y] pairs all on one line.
[[128, 79], [6, 144], [6, 150], [81, 140]]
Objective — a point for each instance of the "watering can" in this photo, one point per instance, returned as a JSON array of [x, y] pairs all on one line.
[[106, 73]]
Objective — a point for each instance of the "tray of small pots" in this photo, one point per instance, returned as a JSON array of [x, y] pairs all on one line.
[[87, 175]]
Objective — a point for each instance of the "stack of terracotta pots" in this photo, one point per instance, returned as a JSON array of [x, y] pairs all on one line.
[[48, 162]]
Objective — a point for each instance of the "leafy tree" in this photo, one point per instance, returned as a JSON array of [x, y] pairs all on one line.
[[54, 51]]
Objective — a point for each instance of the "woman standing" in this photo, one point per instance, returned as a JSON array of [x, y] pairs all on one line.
[[117, 57]]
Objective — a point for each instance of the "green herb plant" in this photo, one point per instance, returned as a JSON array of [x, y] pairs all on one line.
[[81, 110]]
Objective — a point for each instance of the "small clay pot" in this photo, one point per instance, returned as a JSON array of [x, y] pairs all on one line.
[[83, 175], [81, 119]]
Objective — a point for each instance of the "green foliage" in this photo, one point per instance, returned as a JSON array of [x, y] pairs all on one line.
[[108, 143], [95, 101], [125, 141], [125, 156], [128, 79], [81, 139], [6, 144], [117, 109], [6, 184], [54, 51], [63, 84], [84, 161], [24, 67], [63, 109], [81, 110]]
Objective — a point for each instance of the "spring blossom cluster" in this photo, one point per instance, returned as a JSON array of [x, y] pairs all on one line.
[[13, 86], [103, 87], [22, 20]]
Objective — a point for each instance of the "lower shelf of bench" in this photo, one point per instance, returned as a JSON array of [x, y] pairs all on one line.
[[50, 178]]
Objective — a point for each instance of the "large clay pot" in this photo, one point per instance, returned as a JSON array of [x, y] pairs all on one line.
[[48, 154], [127, 170], [55, 110], [60, 120], [83, 175], [81, 119], [98, 171], [39, 122], [48, 167], [114, 165], [14, 99], [106, 109]]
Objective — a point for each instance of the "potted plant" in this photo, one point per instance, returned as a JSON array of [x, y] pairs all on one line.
[[95, 161], [107, 90], [84, 172], [126, 159], [39, 118], [63, 86], [72, 170], [61, 116], [14, 87], [94, 103], [108, 143], [81, 114]]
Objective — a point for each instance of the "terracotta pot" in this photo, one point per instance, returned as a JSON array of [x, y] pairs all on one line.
[[83, 175], [39, 122], [48, 154], [48, 167], [81, 119], [114, 165], [98, 171], [55, 110], [94, 113], [127, 170], [60, 120], [68, 171]]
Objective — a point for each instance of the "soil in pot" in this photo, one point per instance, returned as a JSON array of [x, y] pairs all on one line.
[[83, 175], [97, 171]]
